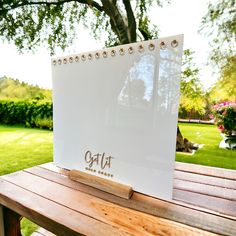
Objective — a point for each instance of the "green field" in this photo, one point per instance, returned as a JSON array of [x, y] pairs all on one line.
[[21, 148], [210, 154]]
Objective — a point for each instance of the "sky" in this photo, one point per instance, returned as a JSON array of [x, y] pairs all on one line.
[[179, 17]]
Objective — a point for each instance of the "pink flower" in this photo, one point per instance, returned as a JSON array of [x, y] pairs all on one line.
[[221, 128], [216, 107], [224, 104]]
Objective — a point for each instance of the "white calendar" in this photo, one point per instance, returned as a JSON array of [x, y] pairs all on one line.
[[115, 113]]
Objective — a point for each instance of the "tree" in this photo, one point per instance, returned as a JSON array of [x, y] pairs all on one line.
[[13, 89], [225, 88], [29, 23], [192, 95], [219, 24]]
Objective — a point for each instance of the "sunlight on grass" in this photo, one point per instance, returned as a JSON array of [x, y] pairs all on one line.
[[21, 148], [210, 154]]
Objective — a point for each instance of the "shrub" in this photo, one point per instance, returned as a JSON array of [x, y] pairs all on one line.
[[225, 117], [44, 123], [29, 113]]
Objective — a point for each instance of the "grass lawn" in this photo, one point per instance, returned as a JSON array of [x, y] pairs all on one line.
[[210, 154], [21, 148]]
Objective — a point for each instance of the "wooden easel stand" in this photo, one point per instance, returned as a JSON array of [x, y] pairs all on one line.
[[108, 186]]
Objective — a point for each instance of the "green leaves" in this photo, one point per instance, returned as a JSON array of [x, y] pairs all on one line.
[[55, 23], [147, 30], [225, 117], [225, 88], [29, 113], [30, 23], [21, 103], [192, 95], [219, 25], [14, 89]]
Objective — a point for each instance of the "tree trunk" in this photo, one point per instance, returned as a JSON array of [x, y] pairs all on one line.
[[183, 144]]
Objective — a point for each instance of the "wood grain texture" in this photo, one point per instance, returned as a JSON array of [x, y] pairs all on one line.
[[1, 222], [204, 189], [206, 180], [127, 220], [105, 185], [206, 170], [122, 220], [58, 219], [180, 212], [214, 203], [207, 190]]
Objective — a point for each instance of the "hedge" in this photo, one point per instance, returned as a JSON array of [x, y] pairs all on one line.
[[29, 113]]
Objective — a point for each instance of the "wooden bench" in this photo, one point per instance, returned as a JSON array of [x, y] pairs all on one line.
[[204, 204]]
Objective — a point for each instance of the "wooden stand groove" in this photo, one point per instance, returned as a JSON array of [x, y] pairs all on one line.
[[105, 185]]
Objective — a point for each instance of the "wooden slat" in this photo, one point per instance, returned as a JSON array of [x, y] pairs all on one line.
[[206, 170], [203, 189], [204, 179], [58, 219], [129, 221], [1, 221], [210, 202], [194, 187], [176, 212], [52, 167], [179, 166], [42, 232]]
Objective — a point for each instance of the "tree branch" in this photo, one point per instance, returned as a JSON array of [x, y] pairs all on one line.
[[28, 3], [144, 33], [117, 20], [131, 20]]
